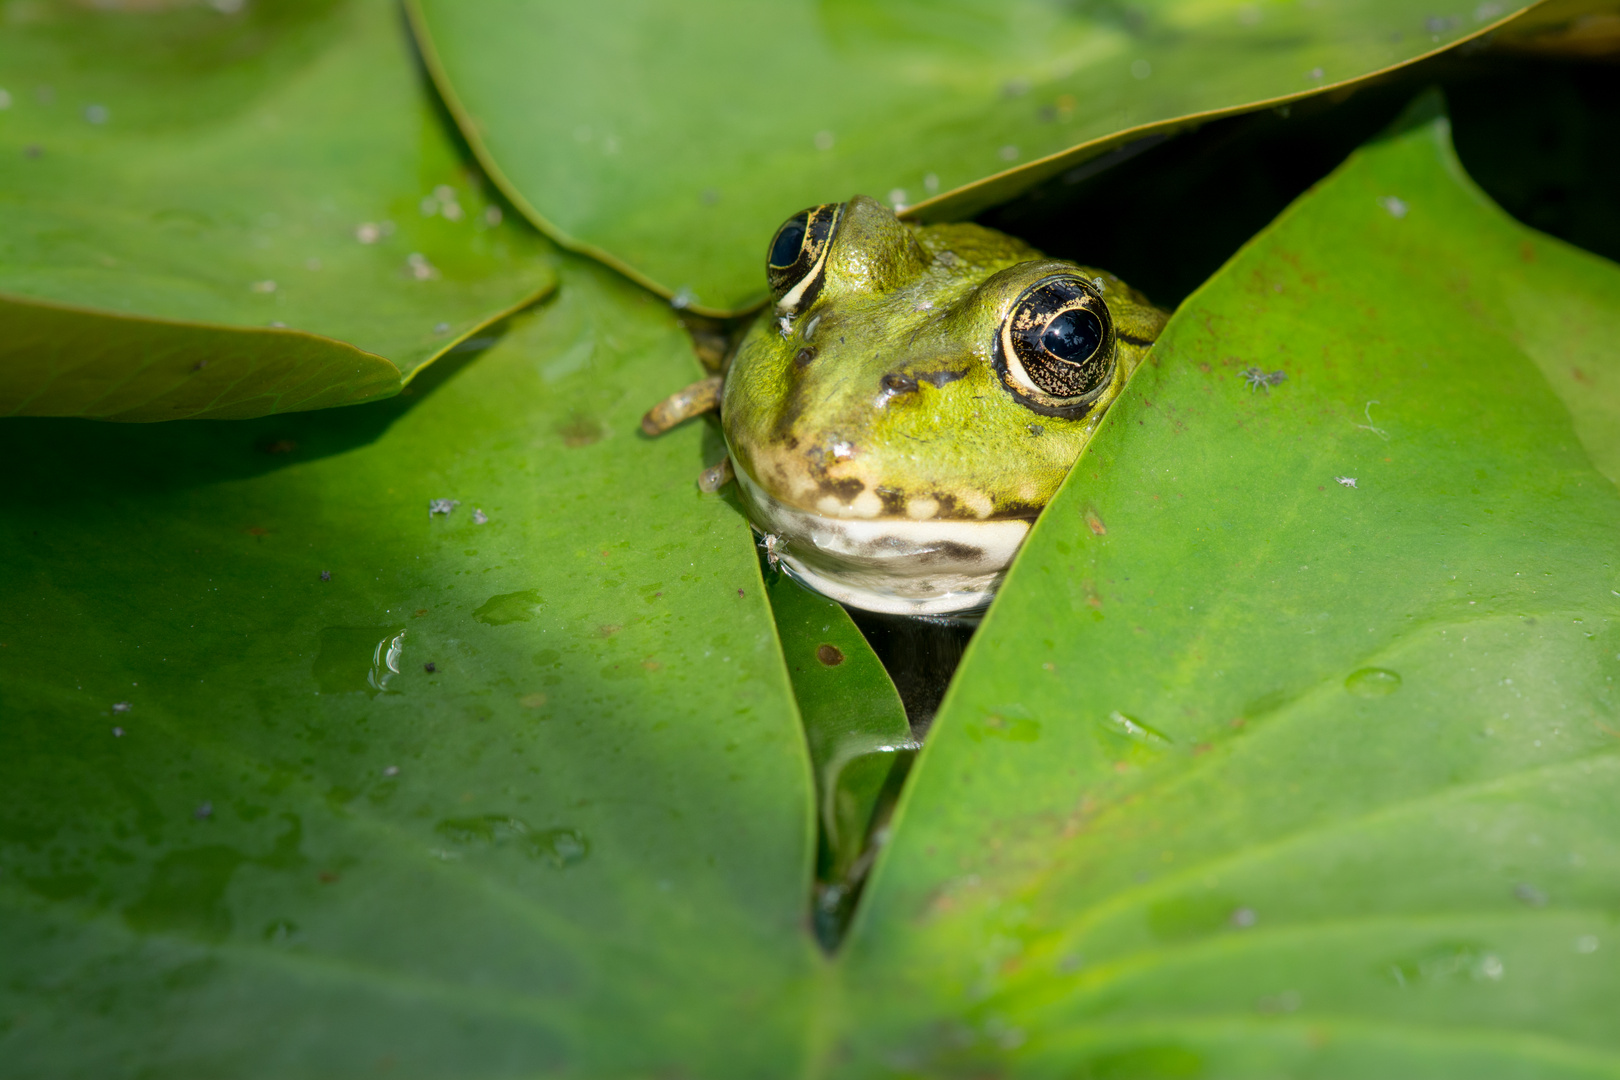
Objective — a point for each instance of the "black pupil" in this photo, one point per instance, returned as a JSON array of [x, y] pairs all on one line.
[[1073, 336], [789, 242]]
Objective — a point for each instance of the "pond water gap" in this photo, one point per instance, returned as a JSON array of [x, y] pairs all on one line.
[[868, 687]]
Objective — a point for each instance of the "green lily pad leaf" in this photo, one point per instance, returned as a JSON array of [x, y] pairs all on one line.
[[671, 142], [1316, 658], [228, 214], [392, 748], [854, 723]]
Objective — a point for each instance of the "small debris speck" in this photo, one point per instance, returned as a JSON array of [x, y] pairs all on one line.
[[1262, 380], [441, 328], [492, 215], [96, 114], [277, 324], [367, 232], [684, 298], [479, 517], [326, 575], [1397, 208], [33, 150], [392, 770], [266, 286], [205, 810], [1008, 153], [5, 99], [1526, 893], [118, 733], [1243, 918], [1586, 944], [1347, 481], [824, 140], [420, 268], [442, 506], [1315, 73], [1141, 69], [122, 706], [430, 667]]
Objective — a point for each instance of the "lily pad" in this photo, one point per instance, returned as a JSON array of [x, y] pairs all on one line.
[[305, 778], [232, 210], [672, 141], [1289, 747]]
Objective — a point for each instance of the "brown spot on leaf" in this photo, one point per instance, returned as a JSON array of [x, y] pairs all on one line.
[[580, 430], [829, 655]]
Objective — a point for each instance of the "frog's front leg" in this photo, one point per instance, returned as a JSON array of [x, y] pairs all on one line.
[[695, 400]]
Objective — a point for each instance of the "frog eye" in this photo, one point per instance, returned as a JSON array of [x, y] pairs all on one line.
[[798, 251], [1057, 346]]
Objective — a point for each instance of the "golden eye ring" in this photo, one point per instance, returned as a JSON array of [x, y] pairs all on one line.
[[798, 251], [1056, 348]]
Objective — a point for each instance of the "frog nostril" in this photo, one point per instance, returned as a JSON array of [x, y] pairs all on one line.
[[803, 358], [896, 383]]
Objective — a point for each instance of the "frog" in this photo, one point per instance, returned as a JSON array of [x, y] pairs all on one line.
[[910, 399]]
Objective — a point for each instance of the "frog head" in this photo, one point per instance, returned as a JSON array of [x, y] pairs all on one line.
[[914, 396]]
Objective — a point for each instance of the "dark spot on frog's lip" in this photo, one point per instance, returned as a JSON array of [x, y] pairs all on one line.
[[843, 490], [894, 501], [951, 551]]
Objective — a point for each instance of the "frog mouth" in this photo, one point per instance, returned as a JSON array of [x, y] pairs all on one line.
[[897, 566]]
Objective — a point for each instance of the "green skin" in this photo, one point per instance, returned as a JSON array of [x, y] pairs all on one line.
[[880, 400]]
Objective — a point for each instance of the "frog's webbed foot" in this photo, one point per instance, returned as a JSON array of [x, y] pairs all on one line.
[[716, 476], [694, 400]]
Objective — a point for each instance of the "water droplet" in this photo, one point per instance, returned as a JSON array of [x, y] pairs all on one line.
[[509, 608], [1586, 944], [1120, 724], [1372, 682], [562, 847], [362, 658], [1244, 917], [281, 932]]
